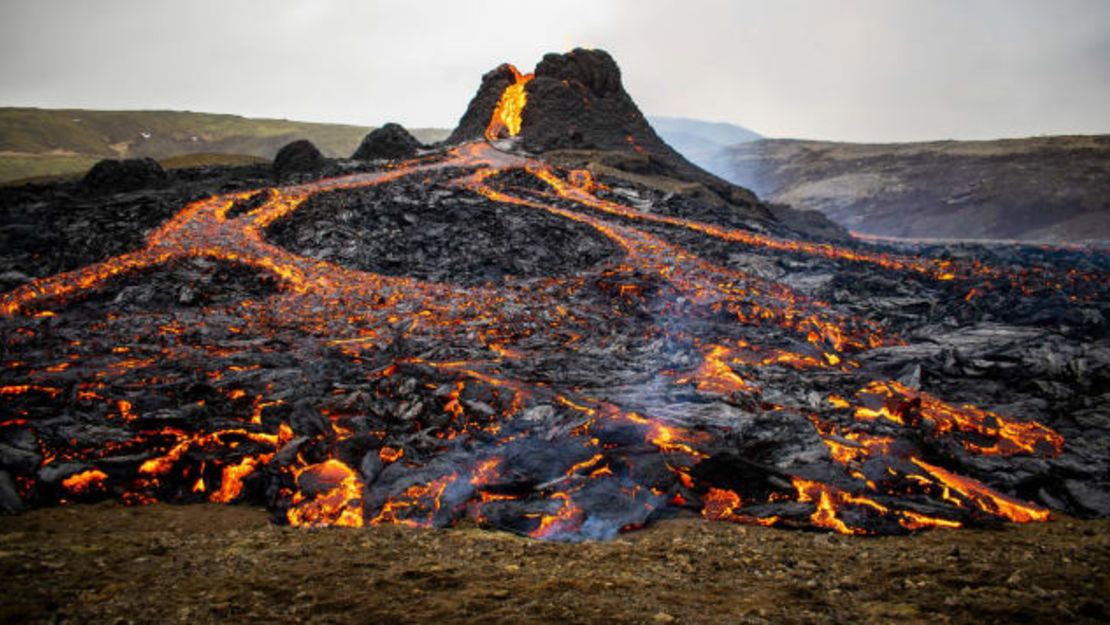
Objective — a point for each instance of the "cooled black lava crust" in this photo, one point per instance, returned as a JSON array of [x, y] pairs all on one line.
[[408, 229]]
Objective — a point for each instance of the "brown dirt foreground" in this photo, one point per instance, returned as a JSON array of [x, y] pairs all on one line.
[[209, 563]]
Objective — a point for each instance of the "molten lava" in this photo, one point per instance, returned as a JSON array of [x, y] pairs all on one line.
[[506, 119], [640, 459], [1007, 437], [85, 481], [330, 494]]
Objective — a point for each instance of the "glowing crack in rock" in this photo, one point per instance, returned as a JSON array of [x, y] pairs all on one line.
[[356, 313]]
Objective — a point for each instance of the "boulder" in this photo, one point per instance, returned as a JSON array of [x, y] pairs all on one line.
[[298, 157], [115, 176], [391, 141]]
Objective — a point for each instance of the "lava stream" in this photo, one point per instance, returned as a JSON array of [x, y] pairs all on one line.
[[359, 312]]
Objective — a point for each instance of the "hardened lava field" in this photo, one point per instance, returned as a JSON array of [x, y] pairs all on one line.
[[481, 335], [604, 392]]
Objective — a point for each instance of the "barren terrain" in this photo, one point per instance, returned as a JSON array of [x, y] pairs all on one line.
[[1036, 189], [208, 563]]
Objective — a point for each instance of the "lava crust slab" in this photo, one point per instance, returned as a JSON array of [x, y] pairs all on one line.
[[439, 234]]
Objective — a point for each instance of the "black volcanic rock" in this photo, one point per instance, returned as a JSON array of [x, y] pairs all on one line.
[[10, 501], [61, 226], [115, 176], [454, 237], [451, 341], [391, 141], [593, 69], [576, 101], [299, 156]]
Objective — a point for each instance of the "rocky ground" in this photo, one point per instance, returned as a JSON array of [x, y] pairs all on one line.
[[209, 564]]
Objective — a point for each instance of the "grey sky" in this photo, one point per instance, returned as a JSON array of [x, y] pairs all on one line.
[[862, 70]]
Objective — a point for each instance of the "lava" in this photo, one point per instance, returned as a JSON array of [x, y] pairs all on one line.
[[631, 457], [903, 405], [506, 119], [715, 375], [231, 481], [330, 494], [85, 481], [985, 498]]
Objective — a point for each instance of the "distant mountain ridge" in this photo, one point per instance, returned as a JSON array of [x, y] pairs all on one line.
[[1037, 189], [48, 142], [38, 142], [1053, 189], [703, 142], [718, 133]]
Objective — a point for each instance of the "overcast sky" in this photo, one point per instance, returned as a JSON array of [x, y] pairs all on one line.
[[856, 70]]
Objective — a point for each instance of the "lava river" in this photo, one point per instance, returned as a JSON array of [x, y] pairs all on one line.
[[450, 402]]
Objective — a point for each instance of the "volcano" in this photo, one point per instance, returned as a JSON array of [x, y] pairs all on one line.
[[551, 325], [574, 106]]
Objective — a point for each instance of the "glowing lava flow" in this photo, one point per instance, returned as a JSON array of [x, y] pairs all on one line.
[[903, 405], [1028, 280], [610, 453], [506, 119]]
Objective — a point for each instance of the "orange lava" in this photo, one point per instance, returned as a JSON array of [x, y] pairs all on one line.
[[901, 404], [506, 119], [724, 505], [231, 484], [985, 498], [340, 502], [355, 312], [85, 481], [714, 374]]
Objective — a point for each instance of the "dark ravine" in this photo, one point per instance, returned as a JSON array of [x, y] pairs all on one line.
[[492, 333]]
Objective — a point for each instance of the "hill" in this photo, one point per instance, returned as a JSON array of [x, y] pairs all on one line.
[[1036, 189], [44, 142], [701, 141]]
